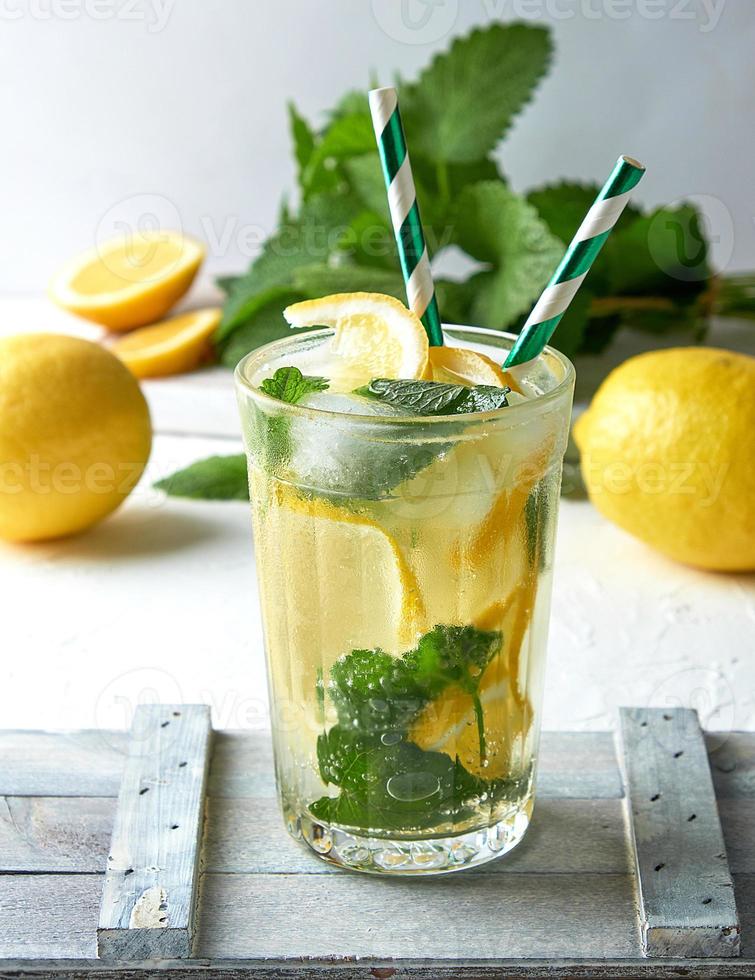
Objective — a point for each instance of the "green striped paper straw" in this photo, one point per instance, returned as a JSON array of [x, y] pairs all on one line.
[[580, 255], [402, 202]]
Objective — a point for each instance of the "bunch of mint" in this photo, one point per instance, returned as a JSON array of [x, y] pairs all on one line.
[[339, 239], [377, 697]]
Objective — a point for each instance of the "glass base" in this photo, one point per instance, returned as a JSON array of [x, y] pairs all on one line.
[[391, 856]]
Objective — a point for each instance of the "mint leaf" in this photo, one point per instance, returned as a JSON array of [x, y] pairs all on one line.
[[374, 692], [660, 253], [303, 139], [261, 327], [216, 478], [290, 385], [347, 136], [451, 655], [563, 205], [396, 786], [322, 227], [320, 280], [573, 326], [497, 227], [465, 100], [434, 397], [385, 780]]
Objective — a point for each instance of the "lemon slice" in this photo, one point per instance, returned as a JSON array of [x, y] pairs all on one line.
[[169, 347], [128, 282], [376, 336], [449, 725], [334, 581], [458, 365]]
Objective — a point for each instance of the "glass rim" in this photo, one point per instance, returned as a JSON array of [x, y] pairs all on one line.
[[520, 409]]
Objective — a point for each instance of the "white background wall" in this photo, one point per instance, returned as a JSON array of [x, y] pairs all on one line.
[[110, 108]]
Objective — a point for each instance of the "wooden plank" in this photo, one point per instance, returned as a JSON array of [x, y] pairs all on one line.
[[242, 766], [566, 836], [686, 891], [578, 765], [55, 834], [48, 916], [738, 824], [83, 763], [47, 927], [457, 918], [150, 889]]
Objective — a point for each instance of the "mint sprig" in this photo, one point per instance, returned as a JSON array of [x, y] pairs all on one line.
[[288, 384], [385, 780], [434, 397]]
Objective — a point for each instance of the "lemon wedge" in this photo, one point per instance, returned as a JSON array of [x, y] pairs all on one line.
[[169, 347], [376, 336], [128, 281]]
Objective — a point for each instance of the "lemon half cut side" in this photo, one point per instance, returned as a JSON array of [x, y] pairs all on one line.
[[128, 281]]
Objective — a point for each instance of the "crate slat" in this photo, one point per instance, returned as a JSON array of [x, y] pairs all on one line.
[[47, 927], [83, 763], [149, 895], [457, 918], [687, 906]]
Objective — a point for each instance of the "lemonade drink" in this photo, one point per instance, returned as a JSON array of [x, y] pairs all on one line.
[[404, 565]]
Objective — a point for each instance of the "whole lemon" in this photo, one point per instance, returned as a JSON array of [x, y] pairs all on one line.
[[75, 435], [668, 454]]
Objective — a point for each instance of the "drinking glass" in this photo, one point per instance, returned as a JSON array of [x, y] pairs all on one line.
[[404, 568]]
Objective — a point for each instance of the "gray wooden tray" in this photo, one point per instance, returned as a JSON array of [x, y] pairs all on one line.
[[580, 897]]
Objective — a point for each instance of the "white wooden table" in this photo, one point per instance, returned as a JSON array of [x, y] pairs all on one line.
[[160, 603]]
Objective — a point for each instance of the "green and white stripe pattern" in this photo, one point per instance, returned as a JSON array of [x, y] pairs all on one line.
[[402, 202], [575, 265]]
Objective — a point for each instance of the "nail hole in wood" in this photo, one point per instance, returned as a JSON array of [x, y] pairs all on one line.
[[691, 817], [667, 717], [176, 714], [164, 724], [659, 866], [174, 826], [181, 765], [143, 790], [643, 724], [654, 798], [679, 754], [707, 901], [128, 871]]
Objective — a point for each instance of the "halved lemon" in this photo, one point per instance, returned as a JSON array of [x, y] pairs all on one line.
[[171, 346], [129, 281], [376, 336]]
